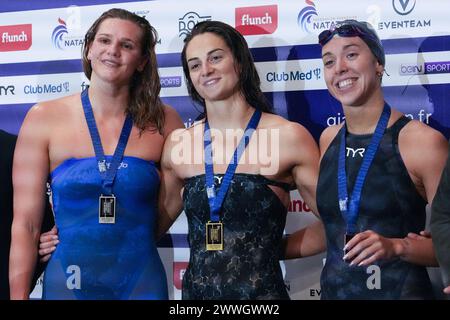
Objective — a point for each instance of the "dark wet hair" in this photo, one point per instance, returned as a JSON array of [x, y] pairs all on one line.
[[354, 28], [249, 81]]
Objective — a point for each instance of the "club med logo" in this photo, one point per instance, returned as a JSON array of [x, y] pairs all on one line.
[[403, 7], [294, 75], [256, 20], [188, 21], [15, 37], [178, 271], [47, 88]]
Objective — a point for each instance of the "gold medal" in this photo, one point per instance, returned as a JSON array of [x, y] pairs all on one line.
[[214, 236]]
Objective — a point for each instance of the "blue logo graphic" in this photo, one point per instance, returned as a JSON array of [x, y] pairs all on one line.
[[305, 16], [437, 67], [403, 7], [58, 34], [63, 87], [170, 82], [295, 75]]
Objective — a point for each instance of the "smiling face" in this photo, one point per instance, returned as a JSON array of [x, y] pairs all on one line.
[[212, 67], [116, 51], [352, 73]]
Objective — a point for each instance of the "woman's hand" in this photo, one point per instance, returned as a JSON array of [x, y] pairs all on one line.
[[47, 244], [368, 246]]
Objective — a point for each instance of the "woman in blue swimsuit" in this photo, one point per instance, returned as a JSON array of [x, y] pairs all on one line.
[[235, 243], [100, 149]]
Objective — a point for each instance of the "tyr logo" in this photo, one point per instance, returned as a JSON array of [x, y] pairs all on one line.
[[5, 90], [354, 152]]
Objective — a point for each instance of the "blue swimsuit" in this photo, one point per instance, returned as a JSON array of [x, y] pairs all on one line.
[[105, 261]]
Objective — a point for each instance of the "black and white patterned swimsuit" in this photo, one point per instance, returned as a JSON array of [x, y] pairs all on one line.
[[254, 219]]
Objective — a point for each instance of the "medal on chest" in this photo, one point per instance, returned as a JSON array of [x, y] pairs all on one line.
[[214, 230], [107, 209]]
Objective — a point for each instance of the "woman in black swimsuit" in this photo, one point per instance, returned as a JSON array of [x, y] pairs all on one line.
[[235, 234]]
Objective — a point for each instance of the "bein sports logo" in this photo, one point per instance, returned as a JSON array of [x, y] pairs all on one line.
[[15, 37], [188, 21], [256, 20], [407, 69], [425, 68], [170, 82], [306, 15], [403, 7]]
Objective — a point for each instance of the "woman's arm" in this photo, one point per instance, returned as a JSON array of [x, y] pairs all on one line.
[[170, 199], [170, 203], [30, 171], [302, 147]]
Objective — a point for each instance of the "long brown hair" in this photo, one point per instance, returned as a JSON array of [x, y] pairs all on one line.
[[249, 81], [145, 108]]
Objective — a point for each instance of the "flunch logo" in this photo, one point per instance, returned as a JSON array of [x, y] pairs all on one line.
[[15, 37], [178, 271], [306, 15], [256, 20]]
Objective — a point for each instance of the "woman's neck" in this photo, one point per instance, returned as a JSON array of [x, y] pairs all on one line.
[[229, 114], [108, 101], [363, 119]]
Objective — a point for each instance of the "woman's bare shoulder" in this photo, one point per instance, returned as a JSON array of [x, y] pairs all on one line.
[[54, 107]]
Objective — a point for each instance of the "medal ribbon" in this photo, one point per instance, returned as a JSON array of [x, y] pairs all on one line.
[[107, 173], [350, 207], [215, 202]]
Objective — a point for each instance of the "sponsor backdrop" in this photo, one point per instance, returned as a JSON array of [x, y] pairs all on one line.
[[40, 44]]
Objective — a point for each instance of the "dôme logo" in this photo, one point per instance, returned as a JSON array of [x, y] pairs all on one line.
[[188, 21]]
